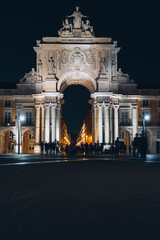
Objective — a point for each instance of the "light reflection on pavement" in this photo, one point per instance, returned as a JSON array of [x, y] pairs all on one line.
[[26, 159]]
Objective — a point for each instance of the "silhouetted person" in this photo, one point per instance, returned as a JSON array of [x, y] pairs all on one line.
[[130, 150], [143, 146], [117, 147], [42, 145], [136, 145], [66, 149]]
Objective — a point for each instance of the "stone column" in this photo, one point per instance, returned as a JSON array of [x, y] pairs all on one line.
[[37, 148], [53, 121], [134, 120], [116, 122], [111, 125], [42, 124], [100, 123], [58, 123], [47, 123], [106, 123], [93, 123]]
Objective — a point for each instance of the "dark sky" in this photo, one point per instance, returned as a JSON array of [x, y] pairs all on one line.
[[134, 24]]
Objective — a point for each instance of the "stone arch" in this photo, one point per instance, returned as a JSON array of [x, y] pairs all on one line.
[[77, 78], [28, 142], [125, 136], [8, 142]]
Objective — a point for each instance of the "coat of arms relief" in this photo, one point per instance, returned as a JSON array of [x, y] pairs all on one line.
[[85, 60]]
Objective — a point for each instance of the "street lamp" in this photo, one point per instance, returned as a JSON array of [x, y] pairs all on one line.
[[20, 119], [146, 117]]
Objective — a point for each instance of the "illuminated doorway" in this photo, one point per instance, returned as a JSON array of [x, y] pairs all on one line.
[[28, 142], [8, 142]]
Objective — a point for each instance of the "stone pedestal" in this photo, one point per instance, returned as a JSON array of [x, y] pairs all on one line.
[[103, 84], [50, 84]]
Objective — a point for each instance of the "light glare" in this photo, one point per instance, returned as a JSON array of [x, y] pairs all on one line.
[[147, 117], [22, 118]]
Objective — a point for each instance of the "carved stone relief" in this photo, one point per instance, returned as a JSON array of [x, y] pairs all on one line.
[[78, 59]]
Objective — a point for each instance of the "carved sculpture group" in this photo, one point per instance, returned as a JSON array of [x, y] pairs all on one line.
[[76, 24]]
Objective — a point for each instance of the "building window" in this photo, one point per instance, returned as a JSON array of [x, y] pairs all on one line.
[[121, 135], [31, 136], [28, 118], [158, 134], [31, 147], [7, 117], [7, 103], [145, 103], [125, 117]]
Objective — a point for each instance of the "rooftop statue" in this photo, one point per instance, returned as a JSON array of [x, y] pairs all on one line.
[[86, 27], [77, 22], [76, 27], [67, 27], [32, 73]]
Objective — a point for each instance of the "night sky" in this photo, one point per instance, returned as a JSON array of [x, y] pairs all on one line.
[[134, 24]]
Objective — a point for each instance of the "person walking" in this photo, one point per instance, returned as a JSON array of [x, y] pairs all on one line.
[[117, 146]]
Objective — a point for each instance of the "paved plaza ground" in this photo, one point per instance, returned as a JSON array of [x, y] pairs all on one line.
[[79, 198]]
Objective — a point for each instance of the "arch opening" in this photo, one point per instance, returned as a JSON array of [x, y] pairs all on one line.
[[8, 142], [28, 142], [75, 110], [125, 137], [77, 78]]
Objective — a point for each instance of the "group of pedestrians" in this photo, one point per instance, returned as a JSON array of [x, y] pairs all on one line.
[[50, 148], [139, 146], [85, 149]]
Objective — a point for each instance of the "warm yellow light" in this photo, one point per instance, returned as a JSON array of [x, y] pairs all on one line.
[[67, 140]]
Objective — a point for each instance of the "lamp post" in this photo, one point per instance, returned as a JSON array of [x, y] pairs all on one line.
[[20, 118], [146, 117]]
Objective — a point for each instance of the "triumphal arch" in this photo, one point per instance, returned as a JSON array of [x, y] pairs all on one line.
[[76, 56]]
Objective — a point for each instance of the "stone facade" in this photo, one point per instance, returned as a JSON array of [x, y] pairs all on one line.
[[77, 57]]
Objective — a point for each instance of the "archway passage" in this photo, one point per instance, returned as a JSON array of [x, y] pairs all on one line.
[[77, 78], [28, 142], [125, 137], [75, 109], [8, 142]]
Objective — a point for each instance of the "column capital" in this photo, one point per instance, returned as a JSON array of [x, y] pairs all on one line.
[[53, 105], [99, 105], [46, 105], [134, 105], [37, 106], [116, 105], [106, 104]]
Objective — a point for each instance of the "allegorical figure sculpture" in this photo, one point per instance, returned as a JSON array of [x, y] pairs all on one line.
[[40, 67], [67, 27], [87, 27], [103, 66], [77, 22], [51, 66]]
